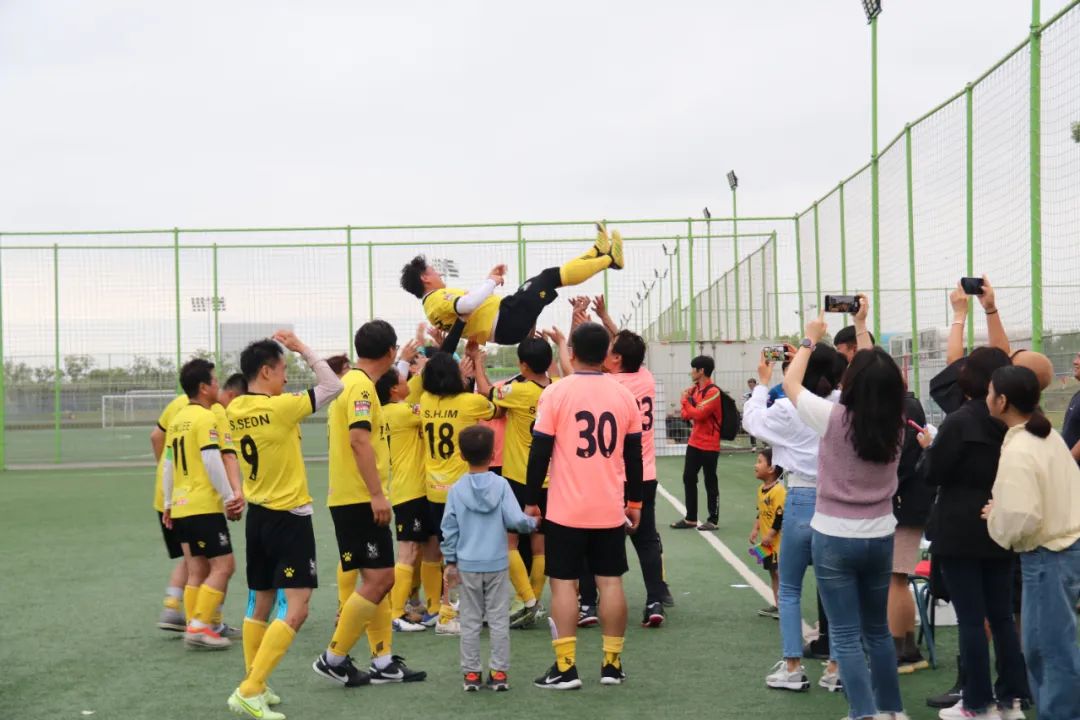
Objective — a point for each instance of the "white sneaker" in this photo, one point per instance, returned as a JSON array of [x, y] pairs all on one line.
[[450, 627], [959, 712], [205, 637], [831, 681], [779, 678], [891, 716], [1013, 712], [403, 625]]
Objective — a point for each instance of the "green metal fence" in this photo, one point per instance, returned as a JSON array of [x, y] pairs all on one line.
[[94, 324]]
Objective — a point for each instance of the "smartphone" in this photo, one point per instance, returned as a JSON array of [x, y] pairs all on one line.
[[842, 304], [774, 353], [971, 285]]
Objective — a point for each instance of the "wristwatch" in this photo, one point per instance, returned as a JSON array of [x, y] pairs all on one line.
[[807, 343]]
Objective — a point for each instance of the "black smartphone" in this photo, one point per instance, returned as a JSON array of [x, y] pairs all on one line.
[[842, 304], [774, 353], [971, 285]]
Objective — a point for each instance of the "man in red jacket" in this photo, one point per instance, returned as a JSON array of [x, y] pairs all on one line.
[[701, 405]]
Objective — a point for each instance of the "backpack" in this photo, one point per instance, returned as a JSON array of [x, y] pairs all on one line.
[[730, 419]]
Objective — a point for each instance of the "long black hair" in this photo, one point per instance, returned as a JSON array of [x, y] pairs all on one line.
[[873, 396], [823, 371], [974, 378], [442, 375], [1020, 388]]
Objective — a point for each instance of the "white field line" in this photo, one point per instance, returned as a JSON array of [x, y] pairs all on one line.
[[752, 579]]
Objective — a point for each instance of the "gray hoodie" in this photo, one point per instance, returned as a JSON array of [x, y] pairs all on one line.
[[480, 508]]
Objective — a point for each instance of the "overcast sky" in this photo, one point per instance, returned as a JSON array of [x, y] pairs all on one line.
[[125, 114]]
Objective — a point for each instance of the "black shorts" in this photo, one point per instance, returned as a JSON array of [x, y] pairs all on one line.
[[172, 543], [206, 535], [518, 312], [520, 492], [280, 549], [435, 513], [769, 562], [413, 521], [362, 543], [568, 550]]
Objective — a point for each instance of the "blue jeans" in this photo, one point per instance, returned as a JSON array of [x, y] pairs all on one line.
[[1051, 590], [853, 578], [794, 559]]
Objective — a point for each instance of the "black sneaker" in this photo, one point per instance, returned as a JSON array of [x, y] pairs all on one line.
[[473, 682], [555, 679], [668, 600], [816, 649], [346, 673], [654, 615], [587, 616], [498, 681], [611, 675], [395, 672]]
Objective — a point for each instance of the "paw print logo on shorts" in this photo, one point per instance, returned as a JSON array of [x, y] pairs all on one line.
[[289, 572], [202, 543], [346, 556]]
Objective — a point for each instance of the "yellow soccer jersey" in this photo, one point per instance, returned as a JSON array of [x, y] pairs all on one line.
[[224, 431], [175, 405], [440, 308], [358, 406], [443, 419], [191, 431], [267, 432], [770, 507], [518, 397], [407, 478]]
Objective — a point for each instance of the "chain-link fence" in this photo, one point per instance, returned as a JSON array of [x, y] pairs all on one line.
[[95, 324]]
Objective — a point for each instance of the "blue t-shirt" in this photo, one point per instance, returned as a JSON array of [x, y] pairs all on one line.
[[1070, 428]]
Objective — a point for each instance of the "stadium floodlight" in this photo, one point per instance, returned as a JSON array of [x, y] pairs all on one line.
[[707, 214], [872, 8], [732, 181]]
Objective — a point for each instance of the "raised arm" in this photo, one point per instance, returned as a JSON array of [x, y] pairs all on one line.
[[327, 384], [863, 341], [796, 372], [556, 336], [599, 305], [471, 300], [995, 329], [959, 302]]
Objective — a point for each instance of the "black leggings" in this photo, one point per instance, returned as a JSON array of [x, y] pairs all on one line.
[[701, 460], [649, 551]]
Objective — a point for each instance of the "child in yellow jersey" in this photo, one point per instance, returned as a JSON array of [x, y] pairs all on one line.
[[408, 491], [446, 409], [198, 491], [480, 316], [765, 536]]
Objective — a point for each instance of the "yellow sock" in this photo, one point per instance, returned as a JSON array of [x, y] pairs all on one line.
[[565, 650], [580, 269], [380, 631], [536, 575], [173, 603], [206, 603], [254, 630], [431, 579], [219, 616], [356, 614], [613, 647], [403, 579], [346, 585], [191, 596], [276, 642], [519, 578]]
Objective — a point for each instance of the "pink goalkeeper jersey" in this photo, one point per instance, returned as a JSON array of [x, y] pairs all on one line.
[[643, 387], [589, 414]]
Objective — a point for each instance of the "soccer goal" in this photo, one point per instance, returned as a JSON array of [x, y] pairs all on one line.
[[135, 407]]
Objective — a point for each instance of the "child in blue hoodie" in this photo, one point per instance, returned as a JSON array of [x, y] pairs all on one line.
[[480, 508]]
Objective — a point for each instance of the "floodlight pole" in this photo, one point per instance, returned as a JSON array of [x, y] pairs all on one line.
[[735, 233], [1035, 179], [708, 269], [875, 226]]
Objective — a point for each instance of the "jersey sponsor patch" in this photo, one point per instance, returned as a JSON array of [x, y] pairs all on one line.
[[213, 434], [362, 408], [503, 391]]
